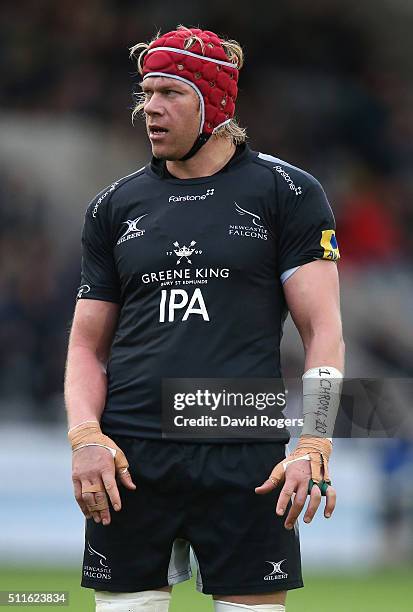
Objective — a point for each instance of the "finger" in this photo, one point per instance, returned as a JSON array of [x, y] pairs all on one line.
[[274, 479], [122, 469], [316, 465], [99, 509], [297, 505], [331, 498], [101, 501], [95, 515], [89, 499], [126, 478], [77, 487], [285, 496], [314, 502], [326, 475], [112, 490]]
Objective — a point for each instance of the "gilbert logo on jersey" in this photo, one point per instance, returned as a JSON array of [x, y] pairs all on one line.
[[329, 243], [132, 231]]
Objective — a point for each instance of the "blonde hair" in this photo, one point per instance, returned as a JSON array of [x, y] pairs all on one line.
[[235, 55]]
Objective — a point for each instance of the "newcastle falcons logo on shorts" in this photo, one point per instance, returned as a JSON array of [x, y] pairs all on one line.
[[98, 568], [277, 573], [93, 552], [132, 231]]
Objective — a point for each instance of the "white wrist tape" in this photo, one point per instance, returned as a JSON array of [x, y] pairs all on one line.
[[321, 400], [112, 450], [287, 463]]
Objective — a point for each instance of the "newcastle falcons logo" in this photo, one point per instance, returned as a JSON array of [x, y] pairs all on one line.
[[92, 552], [277, 573], [242, 211]]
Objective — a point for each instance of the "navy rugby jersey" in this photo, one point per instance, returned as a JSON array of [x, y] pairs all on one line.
[[197, 267]]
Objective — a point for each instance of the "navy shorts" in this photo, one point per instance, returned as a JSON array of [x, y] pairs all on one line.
[[199, 496]]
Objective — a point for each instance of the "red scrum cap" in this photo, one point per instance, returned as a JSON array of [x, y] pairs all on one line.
[[204, 66]]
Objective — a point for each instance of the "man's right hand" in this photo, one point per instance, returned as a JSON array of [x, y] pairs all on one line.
[[94, 470]]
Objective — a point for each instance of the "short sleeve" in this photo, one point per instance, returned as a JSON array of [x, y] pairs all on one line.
[[307, 227], [99, 278]]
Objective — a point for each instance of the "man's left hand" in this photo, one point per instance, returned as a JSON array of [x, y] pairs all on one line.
[[297, 478]]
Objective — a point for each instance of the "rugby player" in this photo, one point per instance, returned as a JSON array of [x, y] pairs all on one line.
[[189, 268]]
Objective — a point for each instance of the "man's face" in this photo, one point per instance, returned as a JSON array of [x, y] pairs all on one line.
[[173, 115]]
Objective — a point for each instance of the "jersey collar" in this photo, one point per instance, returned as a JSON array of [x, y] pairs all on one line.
[[157, 167]]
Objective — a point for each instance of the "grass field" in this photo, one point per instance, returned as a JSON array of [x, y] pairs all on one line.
[[384, 591]]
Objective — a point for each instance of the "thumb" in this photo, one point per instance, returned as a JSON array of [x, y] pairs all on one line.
[[266, 487], [272, 481], [122, 469], [126, 479]]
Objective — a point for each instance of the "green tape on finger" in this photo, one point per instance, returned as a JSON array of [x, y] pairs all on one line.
[[323, 486]]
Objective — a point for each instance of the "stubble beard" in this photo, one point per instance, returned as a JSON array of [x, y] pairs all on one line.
[[168, 156], [173, 156]]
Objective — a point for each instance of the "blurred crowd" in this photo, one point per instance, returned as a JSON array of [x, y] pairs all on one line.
[[35, 305], [318, 89]]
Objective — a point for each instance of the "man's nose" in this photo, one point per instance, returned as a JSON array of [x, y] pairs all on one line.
[[153, 105]]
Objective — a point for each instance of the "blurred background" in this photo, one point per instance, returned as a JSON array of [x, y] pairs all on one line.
[[326, 86]]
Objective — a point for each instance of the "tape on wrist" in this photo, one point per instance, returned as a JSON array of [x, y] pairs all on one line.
[[321, 400], [287, 463], [112, 450], [82, 423]]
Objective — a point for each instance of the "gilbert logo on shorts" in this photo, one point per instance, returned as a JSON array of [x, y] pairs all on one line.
[[99, 568], [277, 573], [132, 231]]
